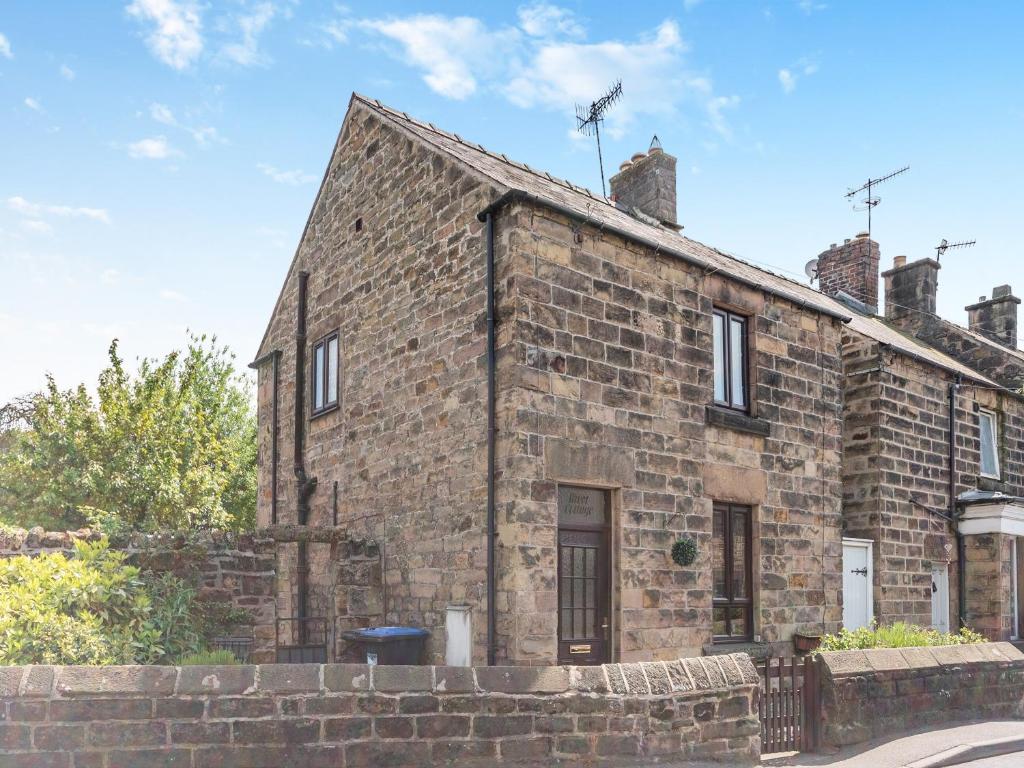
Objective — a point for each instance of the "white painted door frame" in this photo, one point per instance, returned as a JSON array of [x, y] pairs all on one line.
[[1014, 596], [940, 596], [868, 615]]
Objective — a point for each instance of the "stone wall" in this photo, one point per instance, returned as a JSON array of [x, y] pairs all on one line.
[[372, 717], [396, 264], [874, 693], [605, 380], [225, 567]]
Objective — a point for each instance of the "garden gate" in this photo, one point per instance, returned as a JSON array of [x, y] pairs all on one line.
[[790, 704]]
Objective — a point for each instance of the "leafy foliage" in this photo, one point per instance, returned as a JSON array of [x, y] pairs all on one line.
[[207, 657], [94, 608], [897, 635], [684, 551], [171, 447]]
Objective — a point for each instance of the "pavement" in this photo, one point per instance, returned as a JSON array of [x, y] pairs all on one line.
[[989, 744]]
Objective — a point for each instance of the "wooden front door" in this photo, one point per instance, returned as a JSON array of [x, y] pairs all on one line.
[[584, 576]]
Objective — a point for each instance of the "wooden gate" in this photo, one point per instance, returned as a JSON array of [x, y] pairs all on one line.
[[790, 705]]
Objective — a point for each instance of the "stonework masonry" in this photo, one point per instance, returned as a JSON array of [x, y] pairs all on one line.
[[238, 569], [881, 692], [355, 716], [851, 268]]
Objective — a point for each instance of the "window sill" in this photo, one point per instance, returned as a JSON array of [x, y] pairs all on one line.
[[737, 421], [987, 483], [754, 649], [324, 411]]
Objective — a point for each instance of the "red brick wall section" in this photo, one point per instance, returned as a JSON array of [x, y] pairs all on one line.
[[351, 715], [226, 567], [870, 694]]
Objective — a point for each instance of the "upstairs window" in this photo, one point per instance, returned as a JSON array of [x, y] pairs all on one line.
[[730, 347], [731, 569], [325, 373], [988, 431]]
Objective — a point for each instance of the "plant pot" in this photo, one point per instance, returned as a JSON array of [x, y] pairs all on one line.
[[805, 643]]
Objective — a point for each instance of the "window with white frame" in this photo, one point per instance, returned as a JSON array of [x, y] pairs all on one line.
[[730, 352], [988, 432]]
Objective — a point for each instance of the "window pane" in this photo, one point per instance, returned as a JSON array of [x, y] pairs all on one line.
[[738, 621], [989, 460], [718, 553], [719, 621], [332, 370], [737, 362], [719, 345], [739, 555], [318, 377]]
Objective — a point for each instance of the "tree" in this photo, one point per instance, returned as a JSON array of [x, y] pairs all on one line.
[[170, 447]]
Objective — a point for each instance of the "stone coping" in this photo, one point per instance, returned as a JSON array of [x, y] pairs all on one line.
[[656, 678], [850, 663]]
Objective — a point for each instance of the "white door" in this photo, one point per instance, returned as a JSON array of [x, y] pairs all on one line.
[[940, 598], [858, 610]]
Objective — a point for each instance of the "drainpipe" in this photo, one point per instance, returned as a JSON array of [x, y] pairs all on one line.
[[961, 549], [491, 419]]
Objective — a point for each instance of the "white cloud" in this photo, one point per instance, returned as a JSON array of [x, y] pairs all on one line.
[[162, 114], [110, 277], [451, 51], [689, 5], [787, 79], [67, 72], [292, 178], [175, 38], [38, 210], [36, 226], [788, 76], [33, 104], [716, 117], [5, 47], [203, 135], [810, 6], [153, 148], [543, 20], [168, 295], [246, 52]]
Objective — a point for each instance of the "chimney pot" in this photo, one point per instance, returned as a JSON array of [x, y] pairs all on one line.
[[1000, 291], [647, 183], [862, 234], [899, 261], [624, 165]]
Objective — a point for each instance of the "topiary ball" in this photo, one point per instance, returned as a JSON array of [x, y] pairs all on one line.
[[684, 551]]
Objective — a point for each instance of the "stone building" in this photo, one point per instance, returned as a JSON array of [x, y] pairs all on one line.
[[923, 543], [488, 355]]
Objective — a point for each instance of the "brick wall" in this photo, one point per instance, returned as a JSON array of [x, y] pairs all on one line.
[[401, 462], [896, 448], [874, 693], [225, 567], [359, 716], [605, 379]]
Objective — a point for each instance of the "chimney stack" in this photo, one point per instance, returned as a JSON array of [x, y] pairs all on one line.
[[647, 183], [911, 287], [996, 318], [851, 268]]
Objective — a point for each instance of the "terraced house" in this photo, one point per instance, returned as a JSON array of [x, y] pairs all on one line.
[[491, 404]]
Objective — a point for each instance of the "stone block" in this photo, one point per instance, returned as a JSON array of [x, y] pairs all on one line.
[[217, 680], [886, 659], [82, 710], [393, 727], [442, 726], [523, 679], [657, 677], [454, 680], [347, 728], [347, 677], [114, 734], [149, 758], [289, 678], [492, 726], [401, 679], [90, 681], [616, 680], [589, 679]]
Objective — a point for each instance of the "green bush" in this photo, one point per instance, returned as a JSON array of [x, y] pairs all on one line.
[[91, 607], [204, 658], [897, 635]]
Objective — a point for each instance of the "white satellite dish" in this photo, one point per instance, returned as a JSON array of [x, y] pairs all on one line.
[[811, 269]]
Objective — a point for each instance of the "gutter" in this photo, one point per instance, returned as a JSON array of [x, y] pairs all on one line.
[[516, 195], [491, 429]]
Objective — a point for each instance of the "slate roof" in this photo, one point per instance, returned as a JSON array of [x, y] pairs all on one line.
[[514, 176]]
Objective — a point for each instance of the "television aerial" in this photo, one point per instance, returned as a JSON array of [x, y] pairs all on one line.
[[589, 119]]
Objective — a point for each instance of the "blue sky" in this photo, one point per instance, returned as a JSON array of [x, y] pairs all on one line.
[[158, 158]]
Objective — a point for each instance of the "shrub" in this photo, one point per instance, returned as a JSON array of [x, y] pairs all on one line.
[[897, 635], [91, 607], [207, 658]]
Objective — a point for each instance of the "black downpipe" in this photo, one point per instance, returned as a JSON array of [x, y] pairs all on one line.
[[274, 429], [305, 485], [961, 548], [491, 420]]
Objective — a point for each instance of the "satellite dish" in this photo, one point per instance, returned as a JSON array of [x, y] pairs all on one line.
[[811, 269]]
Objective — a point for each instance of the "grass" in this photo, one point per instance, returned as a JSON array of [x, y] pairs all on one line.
[[204, 658], [896, 635]]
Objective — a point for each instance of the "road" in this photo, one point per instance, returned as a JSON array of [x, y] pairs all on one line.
[[1016, 760]]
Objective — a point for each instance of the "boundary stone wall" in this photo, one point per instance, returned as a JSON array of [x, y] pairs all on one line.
[[352, 715], [872, 693], [225, 567]]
